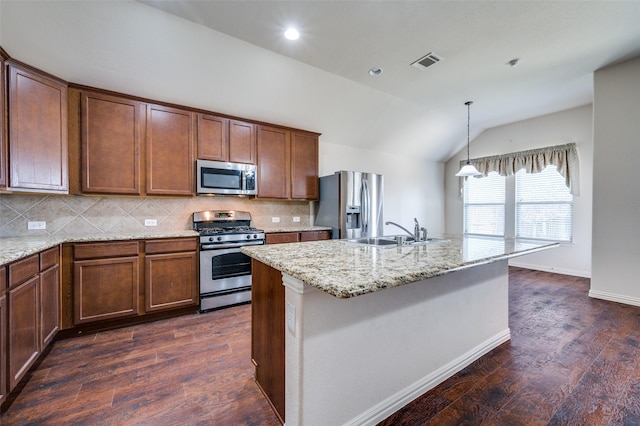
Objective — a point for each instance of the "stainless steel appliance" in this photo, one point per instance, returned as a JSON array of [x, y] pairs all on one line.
[[217, 177], [351, 204], [225, 273]]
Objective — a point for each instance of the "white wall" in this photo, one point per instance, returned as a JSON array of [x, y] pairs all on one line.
[[616, 192], [574, 125], [412, 188], [132, 48]]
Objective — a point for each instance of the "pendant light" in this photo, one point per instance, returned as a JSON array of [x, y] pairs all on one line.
[[468, 169]]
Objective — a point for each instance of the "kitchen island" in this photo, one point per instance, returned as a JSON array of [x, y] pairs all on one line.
[[365, 330]]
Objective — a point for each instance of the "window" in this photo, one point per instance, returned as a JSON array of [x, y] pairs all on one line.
[[484, 200], [535, 206], [544, 206]]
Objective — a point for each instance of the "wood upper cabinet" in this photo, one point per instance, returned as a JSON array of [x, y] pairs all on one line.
[[170, 140], [112, 129], [304, 166], [171, 274], [3, 126], [213, 138], [242, 142], [274, 156], [287, 164], [37, 110], [222, 139]]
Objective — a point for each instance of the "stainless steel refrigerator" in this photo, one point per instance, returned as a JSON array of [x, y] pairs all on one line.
[[351, 204]]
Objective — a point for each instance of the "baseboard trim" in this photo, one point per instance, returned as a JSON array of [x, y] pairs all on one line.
[[395, 402], [547, 268], [613, 297]]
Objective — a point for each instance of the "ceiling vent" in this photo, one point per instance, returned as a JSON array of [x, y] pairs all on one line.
[[426, 61]]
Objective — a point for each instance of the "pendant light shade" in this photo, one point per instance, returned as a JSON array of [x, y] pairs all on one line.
[[468, 169]]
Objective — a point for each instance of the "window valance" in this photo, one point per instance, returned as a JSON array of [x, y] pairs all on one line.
[[564, 157]]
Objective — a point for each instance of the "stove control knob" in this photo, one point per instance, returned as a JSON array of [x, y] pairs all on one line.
[[248, 237], [210, 238], [255, 236], [219, 238]]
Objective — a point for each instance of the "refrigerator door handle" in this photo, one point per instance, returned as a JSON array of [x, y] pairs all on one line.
[[365, 206]]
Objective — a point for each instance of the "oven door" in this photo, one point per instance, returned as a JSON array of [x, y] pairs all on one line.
[[224, 269]]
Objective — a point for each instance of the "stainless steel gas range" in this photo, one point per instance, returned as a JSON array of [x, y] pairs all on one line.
[[225, 273]]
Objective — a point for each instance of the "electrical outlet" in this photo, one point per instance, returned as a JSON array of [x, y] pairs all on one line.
[[37, 225], [275, 219], [150, 222], [296, 218]]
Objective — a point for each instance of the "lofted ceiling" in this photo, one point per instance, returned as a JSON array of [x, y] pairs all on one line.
[[559, 45]]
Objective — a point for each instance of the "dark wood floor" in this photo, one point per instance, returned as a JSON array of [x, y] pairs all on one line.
[[572, 360]]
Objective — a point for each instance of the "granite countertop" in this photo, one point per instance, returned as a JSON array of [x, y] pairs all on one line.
[[15, 248], [344, 269], [302, 228]]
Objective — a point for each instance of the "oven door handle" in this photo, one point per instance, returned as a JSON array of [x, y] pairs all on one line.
[[230, 245]]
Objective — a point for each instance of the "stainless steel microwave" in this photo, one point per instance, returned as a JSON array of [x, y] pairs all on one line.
[[218, 177]]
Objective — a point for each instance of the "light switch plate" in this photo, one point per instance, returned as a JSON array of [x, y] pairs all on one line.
[[275, 219], [37, 225], [296, 218], [150, 222]]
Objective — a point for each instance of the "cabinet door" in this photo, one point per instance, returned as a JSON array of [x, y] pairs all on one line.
[[37, 132], [171, 281], [242, 142], [315, 235], [273, 162], [169, 151], [3, 128], [3, 335], [111, 134], [49, 305], [105, 288], [304, 166], [282, 237], [213, 138], [24, 331]]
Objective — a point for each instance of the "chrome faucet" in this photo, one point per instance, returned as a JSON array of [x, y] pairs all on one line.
[[415, 236]]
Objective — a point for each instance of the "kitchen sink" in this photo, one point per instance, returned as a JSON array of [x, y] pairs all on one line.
[[390, 241]]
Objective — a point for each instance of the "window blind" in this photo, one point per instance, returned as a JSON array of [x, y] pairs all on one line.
[[544, 206], [484, 200]]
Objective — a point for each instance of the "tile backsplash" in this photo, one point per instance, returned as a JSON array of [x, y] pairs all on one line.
[[77, 214]]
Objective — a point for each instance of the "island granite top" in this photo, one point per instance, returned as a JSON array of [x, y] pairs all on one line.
[[345, 269]]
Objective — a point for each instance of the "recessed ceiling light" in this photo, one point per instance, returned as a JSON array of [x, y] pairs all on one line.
[[514, 62], [292, 34], [375, 71]]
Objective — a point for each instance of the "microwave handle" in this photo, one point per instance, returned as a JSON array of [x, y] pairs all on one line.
[[244, 181]]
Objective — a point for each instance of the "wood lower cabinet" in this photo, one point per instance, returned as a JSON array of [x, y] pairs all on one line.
[[112, 129], [106, 281], [49, 295], [170, 140], [3, 334], [108, 278], [24, 324], [293, 237], [268, 333], [171, 274], [37, 111]]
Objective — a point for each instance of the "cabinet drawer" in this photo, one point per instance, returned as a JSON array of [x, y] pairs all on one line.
[[170, 245], [49, 258], [282, 237], [110, 249], [24, 269]]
